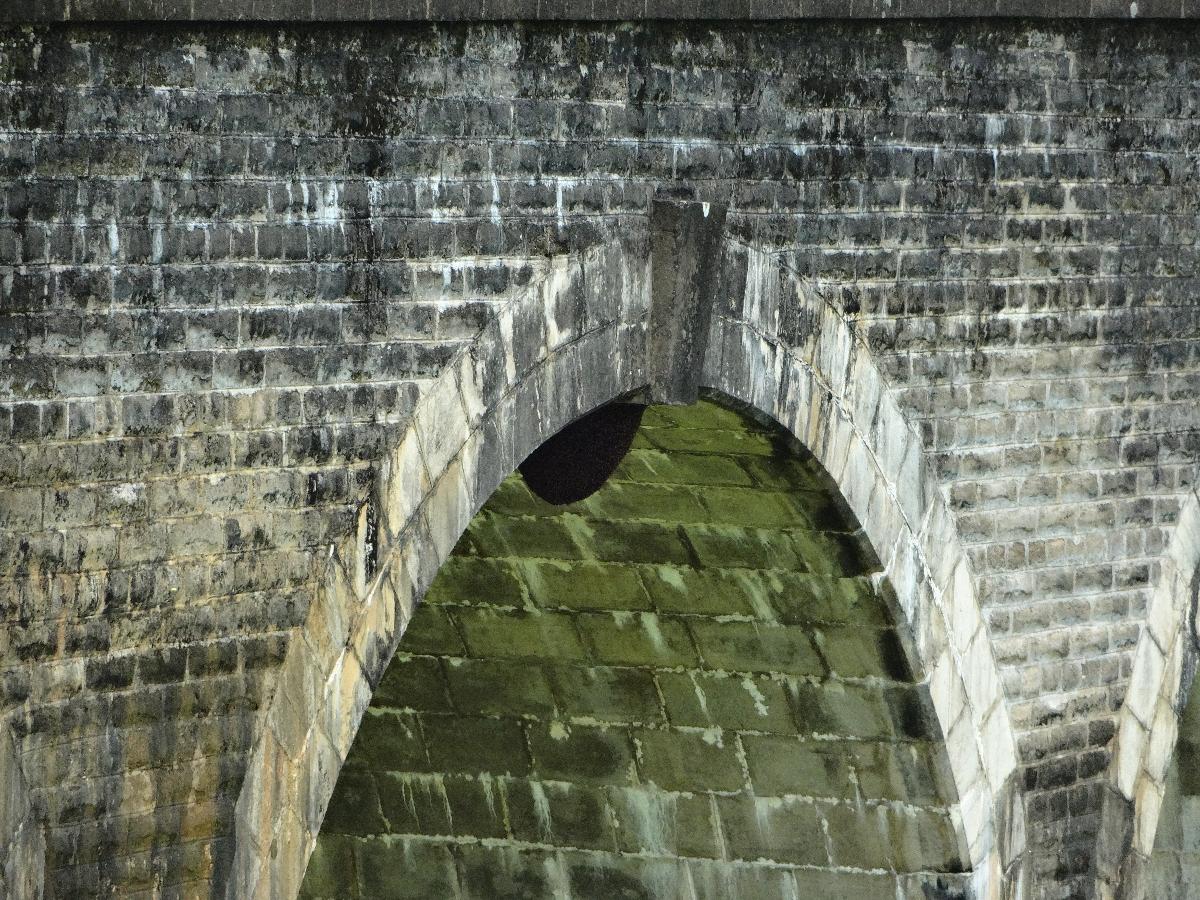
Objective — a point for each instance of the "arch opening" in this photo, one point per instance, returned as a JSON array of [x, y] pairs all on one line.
[[1174, 864], [688, 684]]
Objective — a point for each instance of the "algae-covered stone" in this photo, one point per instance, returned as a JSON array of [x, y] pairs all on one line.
[[756, 647], [678, 760], [606, 693], [556, 812], [506, 873], [785, 830], [428, 870], [712, 592], [638, 639], [782, 766], [584, 585], [582, 754], [330, 868], [474, 580], [515, 635], [653, 466], [499, 687], [708, 699], [653, 821], [473, 744], [686, 682], [432, 631], [412, 682], [388, 741]]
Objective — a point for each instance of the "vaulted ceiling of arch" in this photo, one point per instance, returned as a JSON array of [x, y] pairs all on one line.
[[687, 685]]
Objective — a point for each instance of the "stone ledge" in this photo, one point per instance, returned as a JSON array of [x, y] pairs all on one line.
[[39, 11]]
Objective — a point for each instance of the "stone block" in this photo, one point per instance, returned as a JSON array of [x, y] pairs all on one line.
[[431, 871], [708, 699], [677, 760], [780, 830], [584, 585], [781, 766], [499, 687], [657, 822], [388, 742], [559, 813], [637, 639], [606, 694], [755, 647], [581, 754], [520, 635], [412, 683], [459, 744]]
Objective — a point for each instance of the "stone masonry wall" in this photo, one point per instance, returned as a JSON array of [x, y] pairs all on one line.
[[685, 686], [231, 257]]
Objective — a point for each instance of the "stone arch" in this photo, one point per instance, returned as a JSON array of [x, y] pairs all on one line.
[[1173, 865], [520, 382], [685, 685], [1148, 722], [575, 342]]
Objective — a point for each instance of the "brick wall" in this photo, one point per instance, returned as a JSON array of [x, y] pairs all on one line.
[[232, 257]]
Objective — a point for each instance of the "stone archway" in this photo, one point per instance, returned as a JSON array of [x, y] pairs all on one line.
[[577, 341], [687, 685]]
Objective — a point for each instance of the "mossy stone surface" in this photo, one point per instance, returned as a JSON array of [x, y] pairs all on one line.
[[686, 682]]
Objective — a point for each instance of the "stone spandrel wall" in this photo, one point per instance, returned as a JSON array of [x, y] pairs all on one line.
[[227, 265], [685, 686]]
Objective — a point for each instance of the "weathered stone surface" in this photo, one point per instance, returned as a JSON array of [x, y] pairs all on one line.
[[685, 241], [244, 270], [573, 10], [691, 744]]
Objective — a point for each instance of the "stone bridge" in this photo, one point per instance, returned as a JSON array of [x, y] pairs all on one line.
[[894, 594]]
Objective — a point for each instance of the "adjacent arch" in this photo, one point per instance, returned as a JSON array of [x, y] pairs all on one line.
[[577, 341], [1173, 867], [1148, 723]]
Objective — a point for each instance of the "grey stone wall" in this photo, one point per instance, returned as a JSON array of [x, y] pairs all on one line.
[[235, 257], [577, 10]]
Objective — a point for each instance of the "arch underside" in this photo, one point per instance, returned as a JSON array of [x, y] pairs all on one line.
[[1174, 864], [687, 685], [573, 341]]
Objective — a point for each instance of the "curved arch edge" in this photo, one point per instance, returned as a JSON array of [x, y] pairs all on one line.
[[577, 340], [1148, 722], [823, 388], [518, 383]]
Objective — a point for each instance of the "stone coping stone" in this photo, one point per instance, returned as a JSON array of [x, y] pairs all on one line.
[[44, 11]]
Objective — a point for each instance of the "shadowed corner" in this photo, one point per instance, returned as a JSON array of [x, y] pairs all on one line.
[[574, 464]]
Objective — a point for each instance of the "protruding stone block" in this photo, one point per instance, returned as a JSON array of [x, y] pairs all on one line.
[[685, 241]]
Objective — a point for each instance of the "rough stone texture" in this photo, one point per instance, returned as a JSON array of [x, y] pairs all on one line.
[[685, 686], [575, 10], [1174, 865], [235, 260], [685, 246]]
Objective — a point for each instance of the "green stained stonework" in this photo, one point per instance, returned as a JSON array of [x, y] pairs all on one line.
[[685, 686], [1173, 869]]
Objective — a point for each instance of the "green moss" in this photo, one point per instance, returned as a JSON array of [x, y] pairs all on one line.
[[688, 674]]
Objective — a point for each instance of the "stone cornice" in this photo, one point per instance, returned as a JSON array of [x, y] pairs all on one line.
[[47, 11]]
